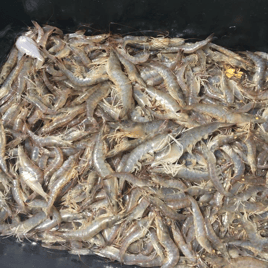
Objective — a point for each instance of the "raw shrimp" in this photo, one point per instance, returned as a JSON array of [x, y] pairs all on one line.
[[171, 83], [199, 226], [171, 249], [3, 164], [9, 64], [122, 83]]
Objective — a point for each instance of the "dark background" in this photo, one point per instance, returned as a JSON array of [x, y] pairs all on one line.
[[237, 24]]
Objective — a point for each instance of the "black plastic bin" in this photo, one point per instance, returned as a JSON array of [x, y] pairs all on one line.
[[237, 24]]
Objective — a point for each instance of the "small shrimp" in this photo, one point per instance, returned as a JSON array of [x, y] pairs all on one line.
[[134, 59], [171, 249], [29, 224], [165, 99], [170, 81], [221, 140], [199, 226], [39, 104], [251, 155], [184, 247], [12, 76], [130, 178], [121, 81], [186, 142], [93, 101], [28, 166], [239, 166], [150, 146], [90, 230], [59, 45], [131, 70], [223, 114], [191, 48], [3, 164], [82, 55], [260, 67], [9, 64], [141, 229], [194, 88], [229, 53], [170, 183], [20, 120], [58, 185], [18, 195], [40, 31], [82, 82], [166, 210], [104, 169], [49, 141], [63, 119], [213, 175], [228, 93]]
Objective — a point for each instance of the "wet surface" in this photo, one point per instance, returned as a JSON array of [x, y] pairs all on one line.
[[237, 24]]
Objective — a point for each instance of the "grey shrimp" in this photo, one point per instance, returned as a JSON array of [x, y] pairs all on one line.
[[199, 226], [122, 83]]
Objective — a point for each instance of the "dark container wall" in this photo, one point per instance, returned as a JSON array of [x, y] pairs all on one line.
[[237, 24]]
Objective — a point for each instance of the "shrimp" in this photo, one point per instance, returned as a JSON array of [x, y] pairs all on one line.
[[239, 166], [134, 59], [191, 48], [184, 247], [90, 230], [104, 169], [9, 64], [121, 81], [222, 114], [130, 178], [226, 89], [211, 163], [95, 78], [93, 101], [40, 105], [156, 144], [229, 53], [131, 70], [82, 55], [165, 99], [29, 224], [62, 119], [166, 210], [28, 166], [171, 82], [194, 88], [171, 249], [141, 228], [260, 67], [251, 155], [58, 185], [49, 141], [12, 76], [186, 142], [18, 195], [199, 226], [3, 164]]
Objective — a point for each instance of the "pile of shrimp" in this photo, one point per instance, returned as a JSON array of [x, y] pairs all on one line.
[[145, 151]]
